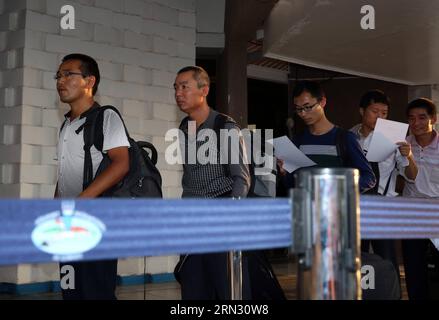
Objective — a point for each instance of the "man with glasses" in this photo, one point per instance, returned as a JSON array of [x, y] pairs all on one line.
[[77, 81], [323, 142]]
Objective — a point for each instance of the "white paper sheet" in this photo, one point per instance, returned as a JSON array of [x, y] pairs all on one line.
[[385, 136], [292, 157]]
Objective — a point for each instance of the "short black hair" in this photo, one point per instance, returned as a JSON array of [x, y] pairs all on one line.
[[312, 87], [200, 75], [423, 103], [89, 67], [374, 96]]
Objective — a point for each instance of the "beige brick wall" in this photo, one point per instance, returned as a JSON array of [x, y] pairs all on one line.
[[139, 45]]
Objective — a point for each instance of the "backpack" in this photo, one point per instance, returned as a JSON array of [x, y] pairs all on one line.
[[262, 179], [263, 281], [385, 278], [143, 179]]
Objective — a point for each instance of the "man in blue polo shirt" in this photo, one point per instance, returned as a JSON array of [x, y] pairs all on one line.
[[322, 141]]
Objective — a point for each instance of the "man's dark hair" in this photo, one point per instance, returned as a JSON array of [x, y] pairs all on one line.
[[89, 67], [423, 103], [200, 75], [374, 96], [312, 87]]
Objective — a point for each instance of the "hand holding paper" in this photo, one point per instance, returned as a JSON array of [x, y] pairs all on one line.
[[292, 157], [385, 137]]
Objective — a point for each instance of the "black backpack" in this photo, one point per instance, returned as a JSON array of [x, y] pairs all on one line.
[[386, 280], [258, 185], [143, 179]]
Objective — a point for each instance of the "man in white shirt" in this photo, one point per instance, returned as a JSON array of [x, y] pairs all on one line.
[[375, 104], [77, 81], [424, 140]]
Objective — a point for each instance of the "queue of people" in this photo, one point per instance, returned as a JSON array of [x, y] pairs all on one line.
[[204, 276]]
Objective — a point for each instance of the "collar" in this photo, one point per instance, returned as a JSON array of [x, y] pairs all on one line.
[[356, 130], [85, 113], [434, 143]]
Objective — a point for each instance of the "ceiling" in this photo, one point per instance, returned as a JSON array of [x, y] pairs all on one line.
[[326, 34]]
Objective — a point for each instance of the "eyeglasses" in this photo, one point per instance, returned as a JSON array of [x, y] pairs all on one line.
[[66, 74], [305, 109]]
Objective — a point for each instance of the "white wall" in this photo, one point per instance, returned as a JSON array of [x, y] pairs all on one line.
[[210, 23], [139, 46]]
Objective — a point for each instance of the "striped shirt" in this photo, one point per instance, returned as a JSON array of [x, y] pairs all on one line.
[[211, 180], [426, 184], [322, 149]]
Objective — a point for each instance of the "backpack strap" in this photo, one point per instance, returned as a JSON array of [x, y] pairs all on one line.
[[376, 172], [386, 189], [146, 145], [220, 123], [94, 135], [251, 168], [183, 122], [62, 126], [99, 126], [88, 127], [341, 140]]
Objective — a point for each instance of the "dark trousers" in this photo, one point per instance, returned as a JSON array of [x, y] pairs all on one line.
[[93, 280], [385, 248], [415, 265], [204, 277]]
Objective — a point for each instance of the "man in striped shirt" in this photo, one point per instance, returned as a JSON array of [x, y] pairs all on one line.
[[204, 276], [424, 141]]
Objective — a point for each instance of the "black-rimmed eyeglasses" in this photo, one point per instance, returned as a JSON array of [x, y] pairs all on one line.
[[66, 74], [306, 109]]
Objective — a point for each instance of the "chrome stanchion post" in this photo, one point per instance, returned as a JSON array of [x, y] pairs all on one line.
[[235, 274], [326, 233], [302, 239], [234, 271]]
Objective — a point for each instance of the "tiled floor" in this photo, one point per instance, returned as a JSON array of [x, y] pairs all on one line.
[[285, 271]]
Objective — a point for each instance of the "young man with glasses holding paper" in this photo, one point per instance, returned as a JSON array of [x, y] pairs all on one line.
[[319, 140]]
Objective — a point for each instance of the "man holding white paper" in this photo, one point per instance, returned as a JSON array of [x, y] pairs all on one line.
[[322, 142], [383, 142], [424, 141], [291, 156]]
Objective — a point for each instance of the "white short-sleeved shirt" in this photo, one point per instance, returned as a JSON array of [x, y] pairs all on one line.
[[386, 167], [71, 151], [426, 184]]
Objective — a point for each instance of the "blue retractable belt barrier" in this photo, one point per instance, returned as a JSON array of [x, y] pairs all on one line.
[[399, 218], [33, 231], [131, 228]]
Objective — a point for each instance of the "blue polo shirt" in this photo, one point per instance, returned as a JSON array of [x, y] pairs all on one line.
[[322, 149]]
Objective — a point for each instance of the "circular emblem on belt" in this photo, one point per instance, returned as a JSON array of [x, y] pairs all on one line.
[[67, 233]]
